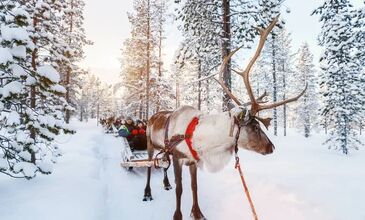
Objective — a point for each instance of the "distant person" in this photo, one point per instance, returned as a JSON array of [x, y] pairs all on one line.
[[145, 121], [139, 140], [117, 122], [122, 122], [126, 131], [110, 124]]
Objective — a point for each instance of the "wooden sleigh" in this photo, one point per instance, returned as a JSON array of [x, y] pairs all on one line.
[[137, 159]]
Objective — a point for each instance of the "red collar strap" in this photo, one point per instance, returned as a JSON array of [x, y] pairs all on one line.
[[189, 135]]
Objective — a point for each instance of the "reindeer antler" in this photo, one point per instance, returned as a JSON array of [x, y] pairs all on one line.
[[256, 104], [245, 74], [220, 79]]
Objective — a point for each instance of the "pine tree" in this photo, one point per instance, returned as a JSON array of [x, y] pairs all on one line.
[[71, 34], [286, 75], [273, 73], [340, 79], [359, 27], [307, 106], [143, 76], [15, 41], [95, 99], [31, 96], [223, 25]]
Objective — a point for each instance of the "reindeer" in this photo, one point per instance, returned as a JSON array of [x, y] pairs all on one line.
[[197, 139]]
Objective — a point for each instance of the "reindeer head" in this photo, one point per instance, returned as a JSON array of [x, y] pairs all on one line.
[[251, 136]]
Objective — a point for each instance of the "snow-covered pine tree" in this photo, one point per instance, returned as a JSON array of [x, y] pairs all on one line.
[[94, 98], [225, 25], [273, 73], [307, 106], [71, 34], [359, 27], [286, 75], [340, 79], [31, 96], [143, 77], [199, 55], [43, 116], [161, 94], [161, 85], [14, 41]]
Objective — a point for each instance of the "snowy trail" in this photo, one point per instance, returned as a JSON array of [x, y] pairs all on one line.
[[298, 182]]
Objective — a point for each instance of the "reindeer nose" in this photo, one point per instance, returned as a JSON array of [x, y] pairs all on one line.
[[269, 148]]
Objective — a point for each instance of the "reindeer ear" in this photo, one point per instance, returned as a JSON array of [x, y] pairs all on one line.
[[265, 121]]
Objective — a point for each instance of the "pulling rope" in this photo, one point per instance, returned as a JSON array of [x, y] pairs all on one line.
[[240, 123], [238, 167]]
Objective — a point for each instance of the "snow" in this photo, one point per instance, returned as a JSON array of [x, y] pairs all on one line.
[[13, 87], [3, 164], [13, 118], [5, 55], [12, 33], [46, 167], [28, 169], [19, 51], [49, 72], [58, 88], [25, 155], [18, 70], [301, 180]]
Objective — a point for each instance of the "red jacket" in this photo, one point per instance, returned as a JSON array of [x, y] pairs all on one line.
[[138, 131]]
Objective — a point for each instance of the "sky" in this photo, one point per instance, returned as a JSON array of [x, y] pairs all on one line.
[[107, 25]]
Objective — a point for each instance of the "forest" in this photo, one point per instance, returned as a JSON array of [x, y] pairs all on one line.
[[48, 97]]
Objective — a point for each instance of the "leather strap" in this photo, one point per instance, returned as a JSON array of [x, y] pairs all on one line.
[[176, 139]]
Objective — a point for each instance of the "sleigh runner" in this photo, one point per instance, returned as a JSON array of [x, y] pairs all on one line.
[[138, 158]]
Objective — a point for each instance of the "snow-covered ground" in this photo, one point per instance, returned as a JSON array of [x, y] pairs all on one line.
[[301, 180]]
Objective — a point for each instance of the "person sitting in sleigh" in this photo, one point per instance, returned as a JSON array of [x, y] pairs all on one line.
[[139, 140], [126, 129]]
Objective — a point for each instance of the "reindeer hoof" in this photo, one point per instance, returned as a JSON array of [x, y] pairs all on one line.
[[168, 187], [197, 218], [178, 215], [196, 214], [147, 198]]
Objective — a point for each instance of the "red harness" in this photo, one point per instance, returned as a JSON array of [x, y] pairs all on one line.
[[176, 139], [189, 135]]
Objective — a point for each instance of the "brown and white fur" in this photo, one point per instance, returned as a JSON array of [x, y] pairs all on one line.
[[211, 140]]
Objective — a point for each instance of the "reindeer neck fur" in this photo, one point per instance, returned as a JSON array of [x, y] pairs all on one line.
[[212, 140], [211, 137]]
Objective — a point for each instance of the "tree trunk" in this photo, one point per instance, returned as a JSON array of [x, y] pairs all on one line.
[[275, 116], [81, 114], [159, 62], [148, 61], [199, 85], [141, 107], [177, 103], [97, 114], [284, 97], [325, 125], [69, 71], [33, 92], [226, 41]]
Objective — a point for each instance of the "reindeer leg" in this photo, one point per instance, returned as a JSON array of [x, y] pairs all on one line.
[[147, 191], [166, 181], [179, 189], [196, 214]]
